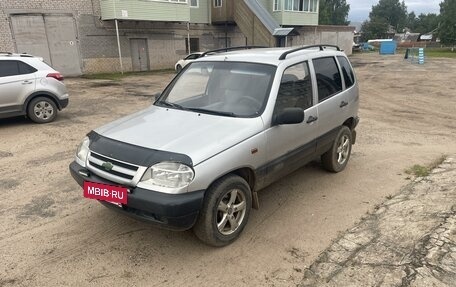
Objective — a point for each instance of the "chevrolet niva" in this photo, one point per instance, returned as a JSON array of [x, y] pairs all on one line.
[[228, 125]]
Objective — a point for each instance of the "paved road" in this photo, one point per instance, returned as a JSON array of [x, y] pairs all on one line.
[[410, 240]]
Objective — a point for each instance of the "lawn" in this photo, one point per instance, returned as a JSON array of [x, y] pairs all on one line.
[[440, 53]]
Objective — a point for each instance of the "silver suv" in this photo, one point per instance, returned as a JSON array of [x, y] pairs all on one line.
[[28, 86], [227, 126]]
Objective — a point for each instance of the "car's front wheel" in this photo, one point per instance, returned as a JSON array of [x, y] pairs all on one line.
[[337, 157], [225, 211], [42, 110]]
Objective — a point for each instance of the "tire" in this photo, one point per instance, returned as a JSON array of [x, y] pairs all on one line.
[[42, 110], [225, 211], [337, 157], [178, 68]]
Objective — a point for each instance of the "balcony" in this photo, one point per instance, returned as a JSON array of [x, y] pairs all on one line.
[[146, 10]]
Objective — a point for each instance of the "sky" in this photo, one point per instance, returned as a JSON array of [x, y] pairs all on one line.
[[359, 9]]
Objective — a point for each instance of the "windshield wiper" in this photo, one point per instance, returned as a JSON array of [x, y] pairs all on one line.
[[172, 105], [212, 112]]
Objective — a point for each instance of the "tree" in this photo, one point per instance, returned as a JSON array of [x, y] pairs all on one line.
[[447, 29], [375, 28], [411, 21], [383, 16], [426, 23], [333, 12], [394, 12]]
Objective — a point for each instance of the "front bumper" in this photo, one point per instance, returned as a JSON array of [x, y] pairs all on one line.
[[170, 211]]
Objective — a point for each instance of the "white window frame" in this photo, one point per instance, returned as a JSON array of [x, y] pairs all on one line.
[[197, 4], [172, 1], [276, 5], [218, 3], [292, 4]]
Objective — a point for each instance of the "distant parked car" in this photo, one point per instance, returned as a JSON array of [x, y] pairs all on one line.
[[183, 62], [28, 86]]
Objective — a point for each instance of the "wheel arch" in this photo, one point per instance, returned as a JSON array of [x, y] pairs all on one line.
[[351, 122], [249, 175], [44, 94]]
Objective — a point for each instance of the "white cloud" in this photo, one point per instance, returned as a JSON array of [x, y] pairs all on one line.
[[359, 9]]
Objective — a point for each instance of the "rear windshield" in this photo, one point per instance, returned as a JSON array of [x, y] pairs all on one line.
[[224, 88]]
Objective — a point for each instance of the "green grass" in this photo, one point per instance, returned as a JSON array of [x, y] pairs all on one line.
[[440, 53], [433, 52], [418, 170], [118, 76], [421, 170]]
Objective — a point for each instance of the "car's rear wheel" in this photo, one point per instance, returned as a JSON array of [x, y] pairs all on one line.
[[178, 68], [337, 157], [225, 211], [42, 110]]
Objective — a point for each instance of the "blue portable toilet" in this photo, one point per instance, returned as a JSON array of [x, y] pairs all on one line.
[[388, 48]]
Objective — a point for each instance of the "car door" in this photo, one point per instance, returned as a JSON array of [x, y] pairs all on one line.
[[291, 146], [332, 101], [17, 81]]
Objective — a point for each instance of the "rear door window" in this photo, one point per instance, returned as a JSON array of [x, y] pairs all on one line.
[[329, 81], [349, 76], [25, 69]]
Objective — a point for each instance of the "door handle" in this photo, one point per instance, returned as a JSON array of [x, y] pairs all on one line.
[[26, 82], [343, 104], [311, 119]]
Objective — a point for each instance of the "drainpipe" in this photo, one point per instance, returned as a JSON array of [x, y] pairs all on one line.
[[226, 26], [118, 38], [188, 38]]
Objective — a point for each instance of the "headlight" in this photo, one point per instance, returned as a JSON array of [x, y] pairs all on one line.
[[170, 175], [83, 151]]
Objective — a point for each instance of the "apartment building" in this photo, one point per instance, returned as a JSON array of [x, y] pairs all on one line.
[[88, 36]]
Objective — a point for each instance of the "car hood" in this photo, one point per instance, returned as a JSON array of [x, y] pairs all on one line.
[[196, 135]]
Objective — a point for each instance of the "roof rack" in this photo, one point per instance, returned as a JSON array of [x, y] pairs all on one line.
[[17, 54], [231, 49], [322, 48]]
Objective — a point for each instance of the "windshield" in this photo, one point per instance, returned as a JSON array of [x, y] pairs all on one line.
[[223, 88]]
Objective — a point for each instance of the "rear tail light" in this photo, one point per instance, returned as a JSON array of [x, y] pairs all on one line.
[[56, 76]]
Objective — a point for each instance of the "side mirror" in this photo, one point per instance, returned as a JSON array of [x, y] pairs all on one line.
[[289, 116], [156, 96]]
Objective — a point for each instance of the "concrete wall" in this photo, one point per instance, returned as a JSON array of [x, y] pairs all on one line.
[[166, 42], [341, 36]]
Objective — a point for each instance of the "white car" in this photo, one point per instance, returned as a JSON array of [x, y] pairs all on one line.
[[183, 62], [28, 86]]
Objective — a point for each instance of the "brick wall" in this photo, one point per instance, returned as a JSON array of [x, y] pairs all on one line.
[[97, 42]]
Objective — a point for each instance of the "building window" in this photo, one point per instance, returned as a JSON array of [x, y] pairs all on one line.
[[276, 5], [301, 5], [194, 3], [218, 3], [177, 1]]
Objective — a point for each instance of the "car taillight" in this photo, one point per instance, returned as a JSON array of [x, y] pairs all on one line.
[[56, 76]]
